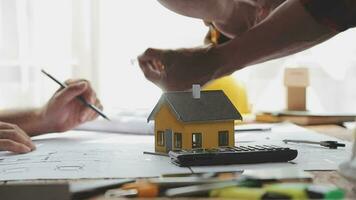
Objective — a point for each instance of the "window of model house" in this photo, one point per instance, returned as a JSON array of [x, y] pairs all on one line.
[[160, 138], [223, 138], [196, 140], [178, 140]]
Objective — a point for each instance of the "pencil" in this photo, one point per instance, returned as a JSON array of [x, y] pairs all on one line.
[[80, 98]]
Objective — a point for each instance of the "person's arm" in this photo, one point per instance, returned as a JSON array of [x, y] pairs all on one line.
[[28, 120], [62, 112], [287, 30]]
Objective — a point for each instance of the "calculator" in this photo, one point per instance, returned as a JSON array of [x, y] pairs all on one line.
[[232, 155]]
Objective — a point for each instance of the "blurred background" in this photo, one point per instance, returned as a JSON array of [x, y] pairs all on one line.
[[97, 39]]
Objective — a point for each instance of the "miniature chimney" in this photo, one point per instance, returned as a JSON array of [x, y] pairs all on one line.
[[196, 91]]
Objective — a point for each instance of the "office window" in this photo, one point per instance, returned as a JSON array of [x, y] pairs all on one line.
[[197, 140], [160, 138], [223, 138], [178, 140]]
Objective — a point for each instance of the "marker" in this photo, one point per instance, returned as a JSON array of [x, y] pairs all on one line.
[[80, 98]]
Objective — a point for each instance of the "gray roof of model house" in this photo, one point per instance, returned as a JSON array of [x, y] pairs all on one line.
[[211, 106]]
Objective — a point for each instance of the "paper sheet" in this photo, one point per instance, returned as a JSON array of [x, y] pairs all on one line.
[[122, 121], [75, 155], [310, 157]]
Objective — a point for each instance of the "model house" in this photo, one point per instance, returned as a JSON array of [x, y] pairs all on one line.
[[197, 119]]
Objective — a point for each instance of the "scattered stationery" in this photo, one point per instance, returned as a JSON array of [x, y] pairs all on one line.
[[207, 183], [253, 186], [328, 144]]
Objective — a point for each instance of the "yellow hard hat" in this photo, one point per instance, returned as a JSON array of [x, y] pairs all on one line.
[[233, 89]]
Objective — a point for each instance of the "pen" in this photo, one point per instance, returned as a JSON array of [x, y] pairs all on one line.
[[80, 98], [329, 144], [253, 129]]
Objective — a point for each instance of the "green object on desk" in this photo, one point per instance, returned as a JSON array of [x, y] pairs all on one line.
[[239, 192], [295, 191], [307, 191]]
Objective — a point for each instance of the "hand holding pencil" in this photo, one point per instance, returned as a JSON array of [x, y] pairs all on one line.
[[75, 103]]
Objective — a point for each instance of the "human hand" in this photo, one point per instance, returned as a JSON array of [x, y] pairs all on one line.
[[179, 69], [64, 111], [14, 139]]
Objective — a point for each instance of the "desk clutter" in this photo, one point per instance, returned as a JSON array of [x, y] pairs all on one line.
[[279, 184], [249, 185]]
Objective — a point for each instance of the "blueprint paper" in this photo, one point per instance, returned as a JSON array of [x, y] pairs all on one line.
[[129, 125], [76, 154], [310, 157], [122, 121]]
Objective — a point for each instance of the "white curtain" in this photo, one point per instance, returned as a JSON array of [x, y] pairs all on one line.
[[55, 35]]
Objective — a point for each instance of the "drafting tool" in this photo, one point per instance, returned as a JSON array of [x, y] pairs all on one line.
[[83, 190], [157, 186], [80, 98], [155, 153], [204, 189], [232, 155], [140, 188], [328, 144], [253, 130]]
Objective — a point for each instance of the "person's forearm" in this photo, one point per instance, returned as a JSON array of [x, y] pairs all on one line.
[[28, 120], [289, 29]]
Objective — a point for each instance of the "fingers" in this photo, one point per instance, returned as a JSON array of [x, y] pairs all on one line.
[[9, 145], [151, 64], [90, 96], [17, 136], [14, 139], [151, 54], [69, 93], [88, 114], [95, 115], [67, 97]]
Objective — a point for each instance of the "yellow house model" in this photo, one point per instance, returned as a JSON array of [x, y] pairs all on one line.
[[194, 120]]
